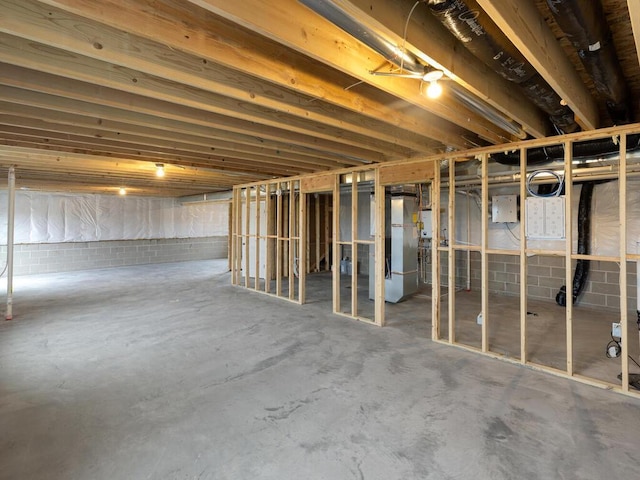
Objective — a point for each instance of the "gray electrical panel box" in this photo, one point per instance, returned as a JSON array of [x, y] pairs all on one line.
[[504, 208], [545, 218]]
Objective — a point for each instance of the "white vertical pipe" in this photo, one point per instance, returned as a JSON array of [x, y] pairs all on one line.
[[10, 229], [468, 242], [638, 278], [638, 291]]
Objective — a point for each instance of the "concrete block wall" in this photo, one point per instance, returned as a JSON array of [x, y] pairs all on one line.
[[69, 256], [545, 276]]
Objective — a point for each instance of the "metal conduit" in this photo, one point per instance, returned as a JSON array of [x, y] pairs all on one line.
[[409, 62]]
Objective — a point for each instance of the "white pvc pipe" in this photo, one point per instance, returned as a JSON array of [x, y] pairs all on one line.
[[468, 242], [10, 228], [638, 286]]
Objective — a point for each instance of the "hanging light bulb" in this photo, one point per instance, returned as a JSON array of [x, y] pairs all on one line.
[[159, 170], [434, 90], [122, 191]]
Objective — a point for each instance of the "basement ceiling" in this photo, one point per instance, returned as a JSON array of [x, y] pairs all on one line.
[[94, 94]]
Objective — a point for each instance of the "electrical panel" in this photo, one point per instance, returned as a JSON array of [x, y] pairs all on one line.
[[504, 208], [545, 218]]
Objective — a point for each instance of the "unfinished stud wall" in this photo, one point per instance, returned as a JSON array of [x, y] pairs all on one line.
[[595, 223]]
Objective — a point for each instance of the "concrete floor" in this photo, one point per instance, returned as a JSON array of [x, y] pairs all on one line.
[[168, 372]]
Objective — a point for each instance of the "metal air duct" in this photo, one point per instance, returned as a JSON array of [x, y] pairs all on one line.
[[585, 26], [481, 36], [409, 62]]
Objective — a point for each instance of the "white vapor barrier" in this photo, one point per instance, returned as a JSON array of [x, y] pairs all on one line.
[[58, 217], [605, 224]]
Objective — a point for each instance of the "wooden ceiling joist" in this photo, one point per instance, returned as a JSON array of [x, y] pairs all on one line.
[[259, 89], [151, 113], [344, 56], [324, 42], [435, 45], [528, 31], [17, 51], [634, 14], [210, 38]]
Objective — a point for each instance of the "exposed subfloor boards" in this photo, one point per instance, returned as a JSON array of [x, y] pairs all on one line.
[[167, 371]]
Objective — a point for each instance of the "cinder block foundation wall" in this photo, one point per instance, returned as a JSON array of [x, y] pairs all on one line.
[[69, 256], [546, 274]]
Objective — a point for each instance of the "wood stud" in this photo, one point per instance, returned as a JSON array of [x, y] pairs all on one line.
[[568, 182], [286, 213], [622, 261]]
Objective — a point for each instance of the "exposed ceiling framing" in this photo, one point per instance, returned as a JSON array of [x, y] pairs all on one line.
[[94, 94]]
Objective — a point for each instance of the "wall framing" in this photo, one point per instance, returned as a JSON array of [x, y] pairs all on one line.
[[429, 169]]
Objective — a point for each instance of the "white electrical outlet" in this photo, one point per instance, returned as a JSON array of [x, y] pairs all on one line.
[[616, 330]]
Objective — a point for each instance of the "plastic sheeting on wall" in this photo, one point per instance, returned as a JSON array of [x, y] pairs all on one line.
[[605, 226], [57, 217]]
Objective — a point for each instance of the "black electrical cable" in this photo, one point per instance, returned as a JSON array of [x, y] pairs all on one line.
[[615, 342]]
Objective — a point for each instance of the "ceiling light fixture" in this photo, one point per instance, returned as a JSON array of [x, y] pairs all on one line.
[[122, 191], [159, 170], [405, 60], [434, 90]]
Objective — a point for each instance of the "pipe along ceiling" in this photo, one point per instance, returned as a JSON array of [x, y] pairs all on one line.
[[585, 26]]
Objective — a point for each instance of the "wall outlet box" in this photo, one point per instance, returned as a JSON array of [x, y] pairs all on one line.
[[616, 330]]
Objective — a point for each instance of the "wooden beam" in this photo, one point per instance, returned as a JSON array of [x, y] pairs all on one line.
[[634, 14], [153, 117], [568, 219], [194, 90], [326, 43], [484, 256], [215, 140], [622, 261], [414, 172], [303, 240], [317, 231], [178, 154], [451, 273], [523, 257], [139, 144], [435, 45], [337, 252], [379, 251], [317, 183], [156, 138], [208, 37], [216, 88], [436, 259], [245, 234], [361, 148], [354, 244], [525, 27]]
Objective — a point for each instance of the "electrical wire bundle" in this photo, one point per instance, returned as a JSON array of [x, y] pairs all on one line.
[[613, 350]]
